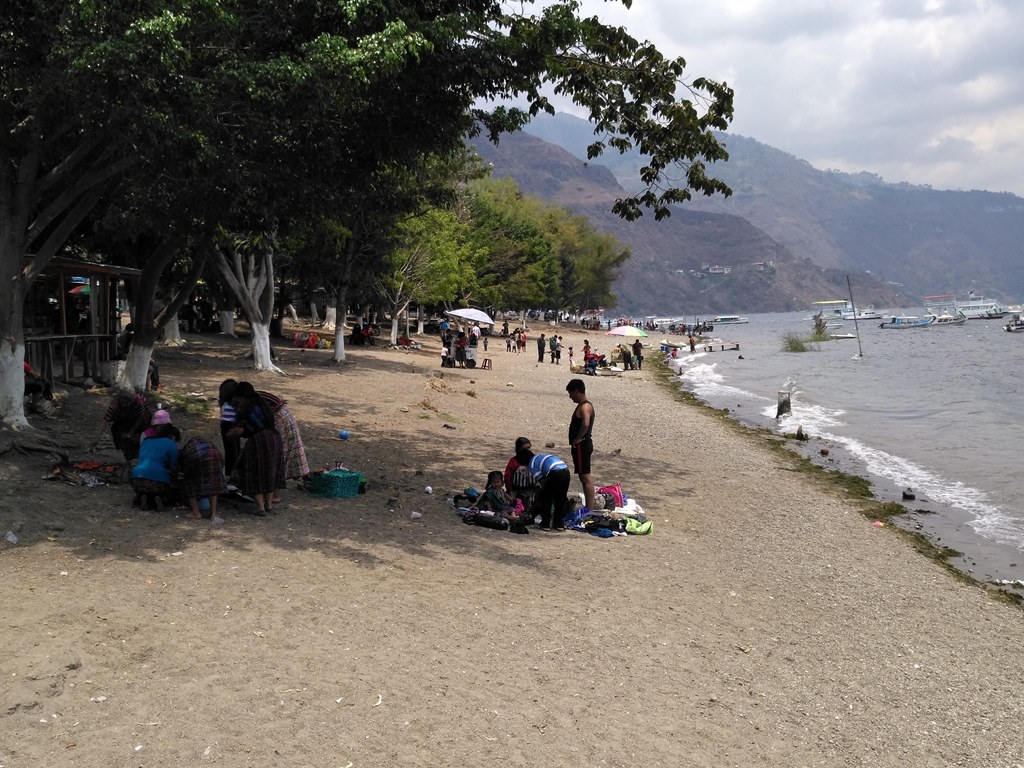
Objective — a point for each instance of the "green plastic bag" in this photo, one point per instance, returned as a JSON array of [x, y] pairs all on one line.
[[637, 528]]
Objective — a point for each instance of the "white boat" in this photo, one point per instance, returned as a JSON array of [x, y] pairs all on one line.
[[842, 309], [866, 313], [729, 320], [830, 310], [973, 307], [947, 319], [1016, 324]]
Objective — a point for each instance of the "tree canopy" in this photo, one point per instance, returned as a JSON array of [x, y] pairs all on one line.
[[208, 114]]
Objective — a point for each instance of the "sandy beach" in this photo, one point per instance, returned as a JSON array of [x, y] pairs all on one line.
[[765, 622]]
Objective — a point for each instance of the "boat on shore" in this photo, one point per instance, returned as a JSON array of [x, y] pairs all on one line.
[[1015, 325], [973, 307]]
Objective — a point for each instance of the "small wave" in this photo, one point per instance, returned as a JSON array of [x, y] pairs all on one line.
[[986, 519]]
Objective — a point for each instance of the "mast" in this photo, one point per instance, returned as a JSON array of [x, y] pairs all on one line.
[[856, 329]]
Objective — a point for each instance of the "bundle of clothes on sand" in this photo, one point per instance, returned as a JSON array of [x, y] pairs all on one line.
[[532, 492]]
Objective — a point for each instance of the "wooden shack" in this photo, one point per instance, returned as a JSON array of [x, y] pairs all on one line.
[[72, 319]]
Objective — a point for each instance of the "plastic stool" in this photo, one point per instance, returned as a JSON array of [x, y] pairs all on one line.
[[486, 364]]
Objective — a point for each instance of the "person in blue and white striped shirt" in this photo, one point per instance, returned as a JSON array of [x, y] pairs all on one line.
[[553, 476]]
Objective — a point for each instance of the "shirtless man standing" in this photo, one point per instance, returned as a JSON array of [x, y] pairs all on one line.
[[580, 429]]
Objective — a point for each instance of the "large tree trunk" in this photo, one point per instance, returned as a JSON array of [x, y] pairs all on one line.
[[172, 332], [262, 359], [339, 328], [341, 299], [250, 278], [12, 381], [314, 315], [293, 314], [419, 321], [227, 323], [331, 316], [136, 366]]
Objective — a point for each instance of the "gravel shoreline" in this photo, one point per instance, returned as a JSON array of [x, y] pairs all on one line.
[[765, 622]]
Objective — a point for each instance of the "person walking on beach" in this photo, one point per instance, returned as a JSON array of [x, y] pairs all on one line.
[[581, 427]]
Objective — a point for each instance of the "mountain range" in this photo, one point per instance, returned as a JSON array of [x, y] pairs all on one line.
[[789, 235]]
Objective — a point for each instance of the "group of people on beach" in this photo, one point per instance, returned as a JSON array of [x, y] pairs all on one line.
[[535, 485], [262, 448]]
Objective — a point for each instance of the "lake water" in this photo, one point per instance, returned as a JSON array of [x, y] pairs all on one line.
[[935, 410]]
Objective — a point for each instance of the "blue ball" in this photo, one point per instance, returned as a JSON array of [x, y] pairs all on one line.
[[343, 434]]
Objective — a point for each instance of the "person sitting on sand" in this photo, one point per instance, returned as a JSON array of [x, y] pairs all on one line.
[[202, 471], [497, 500], [494, 496], [519, 481], [158, 458], [36, 386]]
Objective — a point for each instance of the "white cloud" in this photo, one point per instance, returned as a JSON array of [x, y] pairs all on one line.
[[924, 91]]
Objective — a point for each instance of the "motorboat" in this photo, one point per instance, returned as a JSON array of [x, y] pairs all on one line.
[[729, 320], [947, 319], [867, 313], [899, 322], [1016, 324]]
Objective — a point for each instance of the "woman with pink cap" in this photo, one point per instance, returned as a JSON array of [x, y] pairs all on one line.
[[158, 458]]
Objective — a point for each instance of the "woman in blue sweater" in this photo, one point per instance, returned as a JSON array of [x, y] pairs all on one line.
[[158, 458]]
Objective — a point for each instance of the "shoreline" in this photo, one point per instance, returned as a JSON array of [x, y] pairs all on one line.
[[764, 621], [992, 564]]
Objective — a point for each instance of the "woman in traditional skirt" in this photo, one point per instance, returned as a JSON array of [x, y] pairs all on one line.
[[158, 458], [128, 414], [202, 469], [259, 471], [295, 465]]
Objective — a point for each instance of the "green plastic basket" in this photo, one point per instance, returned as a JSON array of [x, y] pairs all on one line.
[[335, 483]]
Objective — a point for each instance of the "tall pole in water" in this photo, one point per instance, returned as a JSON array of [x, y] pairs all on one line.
[[856, 329]]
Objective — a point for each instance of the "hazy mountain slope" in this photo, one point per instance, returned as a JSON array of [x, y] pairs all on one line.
[[668, 273], [930, 241]]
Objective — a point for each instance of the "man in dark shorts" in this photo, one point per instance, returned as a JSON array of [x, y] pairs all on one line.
[[581, 426]]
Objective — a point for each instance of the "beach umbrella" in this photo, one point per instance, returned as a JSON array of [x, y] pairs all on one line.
[[626, 330], [471, 314]]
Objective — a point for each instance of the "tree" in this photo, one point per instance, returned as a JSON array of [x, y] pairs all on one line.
[[423, 264]]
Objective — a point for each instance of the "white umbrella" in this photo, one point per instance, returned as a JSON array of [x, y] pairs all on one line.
[[468, 313]]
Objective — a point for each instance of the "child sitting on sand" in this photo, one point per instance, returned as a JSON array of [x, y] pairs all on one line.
[[494, 497], [507, 511]]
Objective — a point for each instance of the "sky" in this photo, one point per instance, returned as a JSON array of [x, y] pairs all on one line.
[[919, 91]]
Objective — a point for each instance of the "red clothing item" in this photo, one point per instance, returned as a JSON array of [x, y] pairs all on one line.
[[510, 469]]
